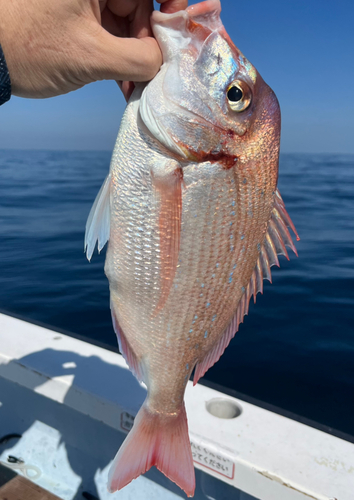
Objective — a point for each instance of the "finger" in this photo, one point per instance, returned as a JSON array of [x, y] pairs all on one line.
[[141, 26], [114, 25], [127, 89], [138, 13], [102, 4], [171, 6], [126, 59], [122, 8]]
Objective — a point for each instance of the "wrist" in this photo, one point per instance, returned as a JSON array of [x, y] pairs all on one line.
[[5, 82]]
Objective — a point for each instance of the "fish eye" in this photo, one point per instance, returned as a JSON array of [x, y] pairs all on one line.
[[234, 94], [238, 96]]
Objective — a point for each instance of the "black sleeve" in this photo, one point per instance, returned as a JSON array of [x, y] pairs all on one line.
[[5, 83]]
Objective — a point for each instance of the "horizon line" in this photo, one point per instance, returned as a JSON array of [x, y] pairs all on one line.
[[73, 150]]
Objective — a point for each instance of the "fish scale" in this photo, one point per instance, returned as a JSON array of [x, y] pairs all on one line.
[[194, 222], [205, 262]]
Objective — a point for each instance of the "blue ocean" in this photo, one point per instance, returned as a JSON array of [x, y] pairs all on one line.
[[295, 350]]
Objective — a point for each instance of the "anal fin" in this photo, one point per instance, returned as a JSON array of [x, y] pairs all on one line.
[[126, 351]]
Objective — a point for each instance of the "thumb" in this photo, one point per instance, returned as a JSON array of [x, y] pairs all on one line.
[[127, 59]]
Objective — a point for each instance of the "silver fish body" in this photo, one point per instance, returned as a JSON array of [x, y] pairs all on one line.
[[195, 221]]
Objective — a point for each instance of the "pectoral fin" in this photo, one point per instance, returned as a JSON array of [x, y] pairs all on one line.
[[168, 184], [98, 222]]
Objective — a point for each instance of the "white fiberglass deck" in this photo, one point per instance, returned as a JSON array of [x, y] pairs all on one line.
[[73, 402]]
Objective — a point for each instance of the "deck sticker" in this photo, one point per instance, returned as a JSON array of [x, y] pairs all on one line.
[[126, 421], [213, 460]]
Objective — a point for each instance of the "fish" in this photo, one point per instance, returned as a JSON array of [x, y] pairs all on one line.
[[194, 221]]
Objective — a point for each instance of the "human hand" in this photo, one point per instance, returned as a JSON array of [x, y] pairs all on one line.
[[53, 47]]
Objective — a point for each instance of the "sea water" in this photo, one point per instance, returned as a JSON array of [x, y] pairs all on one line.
[[295, 350]]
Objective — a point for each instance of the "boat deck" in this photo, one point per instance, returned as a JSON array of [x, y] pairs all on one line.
[[15, 487], [71, 404]]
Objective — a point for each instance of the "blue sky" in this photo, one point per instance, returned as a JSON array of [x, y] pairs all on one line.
[[304, 50]]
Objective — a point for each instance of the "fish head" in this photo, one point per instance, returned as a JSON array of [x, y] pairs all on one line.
[[208, 102]]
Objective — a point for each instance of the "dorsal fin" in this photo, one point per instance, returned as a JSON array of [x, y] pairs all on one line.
[[275, 242]]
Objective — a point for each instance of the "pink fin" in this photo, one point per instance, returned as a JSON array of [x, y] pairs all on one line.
[[204, 8], [126, 351], [218, 350], [270, 250], [253, 285], [170, 191], [275, 241], [155, 439], [264, 263], [280, 207], [259, 276]]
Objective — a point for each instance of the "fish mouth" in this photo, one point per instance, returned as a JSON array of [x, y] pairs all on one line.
[[205, 14], [206, 7], [158, 17], [197, 10]]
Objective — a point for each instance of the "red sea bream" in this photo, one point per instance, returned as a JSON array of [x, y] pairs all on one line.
[[194, 221]]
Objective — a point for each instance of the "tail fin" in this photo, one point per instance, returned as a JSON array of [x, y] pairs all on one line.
[[155, 439]]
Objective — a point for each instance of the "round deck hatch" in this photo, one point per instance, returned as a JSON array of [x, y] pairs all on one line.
[[223, 408]]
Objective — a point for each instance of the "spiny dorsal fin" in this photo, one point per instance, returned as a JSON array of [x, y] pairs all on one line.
[[275, 242]]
